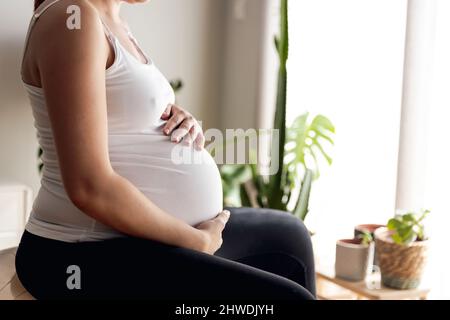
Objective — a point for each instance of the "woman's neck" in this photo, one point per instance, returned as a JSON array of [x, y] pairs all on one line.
[[108, 8]]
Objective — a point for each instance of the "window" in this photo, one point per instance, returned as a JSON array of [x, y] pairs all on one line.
[[438, 157], [346, 62]]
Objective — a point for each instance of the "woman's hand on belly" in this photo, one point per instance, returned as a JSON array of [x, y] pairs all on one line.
[[183, 126], [212, 232]]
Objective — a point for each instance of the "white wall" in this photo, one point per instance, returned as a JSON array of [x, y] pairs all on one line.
[[244, 24], [18, 145], [183, 37]]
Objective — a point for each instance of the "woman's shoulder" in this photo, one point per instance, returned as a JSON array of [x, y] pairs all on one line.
[[62, 32], [68, 19], [67, 30]]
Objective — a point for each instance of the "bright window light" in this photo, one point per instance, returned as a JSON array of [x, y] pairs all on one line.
[[346, 62], [439, 158]]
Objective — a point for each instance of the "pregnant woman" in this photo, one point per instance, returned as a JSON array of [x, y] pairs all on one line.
[[114, 209]]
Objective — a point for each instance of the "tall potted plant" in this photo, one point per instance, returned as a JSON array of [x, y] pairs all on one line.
[[303, 139]]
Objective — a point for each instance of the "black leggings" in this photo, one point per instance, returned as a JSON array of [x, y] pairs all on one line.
[[266, 254]]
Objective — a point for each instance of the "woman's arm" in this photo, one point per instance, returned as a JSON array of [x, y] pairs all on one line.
[[72, 71]]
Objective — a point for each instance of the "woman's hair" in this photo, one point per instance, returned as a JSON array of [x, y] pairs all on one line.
[[37, 3]]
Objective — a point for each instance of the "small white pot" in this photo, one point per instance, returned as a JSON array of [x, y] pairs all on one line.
[[353, 260]]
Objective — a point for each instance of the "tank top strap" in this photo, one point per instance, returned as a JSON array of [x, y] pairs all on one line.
[[109, 34], [43, 7], [37, 13]]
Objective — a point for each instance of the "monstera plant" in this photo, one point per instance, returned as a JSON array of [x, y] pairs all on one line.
[[300, 147], [289, 189]]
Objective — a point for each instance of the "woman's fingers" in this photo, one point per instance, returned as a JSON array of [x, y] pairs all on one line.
[[174, 116], [200, 141], [223, 218], [174, 122], [182, 126], [166, 113], [197, 137], [179, 134], [187, 140], [183, 129]]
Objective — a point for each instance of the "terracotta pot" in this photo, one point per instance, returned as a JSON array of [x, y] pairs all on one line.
[[370, 228], [353, 259], [401, 265]]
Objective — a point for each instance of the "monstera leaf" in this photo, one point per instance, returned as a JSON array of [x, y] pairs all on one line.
[[306, 139], [299, 147]]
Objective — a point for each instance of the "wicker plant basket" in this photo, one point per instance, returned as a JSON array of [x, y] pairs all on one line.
[[401, 265]]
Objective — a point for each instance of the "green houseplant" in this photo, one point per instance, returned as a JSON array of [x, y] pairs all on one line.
[[245, 185], [402, 250], [407, 228]]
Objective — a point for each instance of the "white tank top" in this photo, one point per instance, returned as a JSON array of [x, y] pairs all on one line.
[[137, 94]]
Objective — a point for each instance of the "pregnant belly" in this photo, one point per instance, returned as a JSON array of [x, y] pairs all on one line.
[[188, 188]]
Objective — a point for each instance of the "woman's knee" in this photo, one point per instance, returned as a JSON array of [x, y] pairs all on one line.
[[273, 230], [248, 282], [273, 286], [292, 227]]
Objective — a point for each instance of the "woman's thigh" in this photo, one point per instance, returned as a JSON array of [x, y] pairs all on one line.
[[271, 240], [137, 268]]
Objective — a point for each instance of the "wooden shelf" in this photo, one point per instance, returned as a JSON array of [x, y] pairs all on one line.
[[360, 289]]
